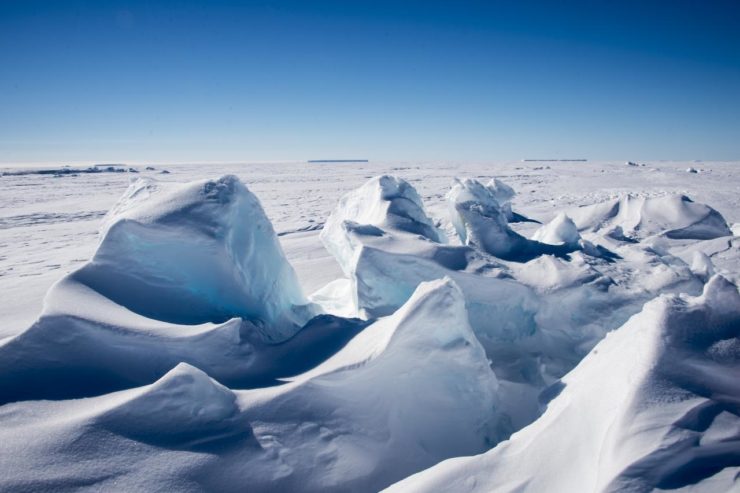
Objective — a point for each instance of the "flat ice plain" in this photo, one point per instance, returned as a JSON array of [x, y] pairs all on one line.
[[581, 335]]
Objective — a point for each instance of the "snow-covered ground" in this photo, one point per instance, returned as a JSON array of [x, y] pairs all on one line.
[[344, 326]]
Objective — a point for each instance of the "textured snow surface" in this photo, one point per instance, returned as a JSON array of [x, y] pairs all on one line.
[[653, 406], [503, 327]]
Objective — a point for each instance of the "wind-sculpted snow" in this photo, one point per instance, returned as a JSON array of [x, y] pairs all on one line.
[[480, 222], [535, 319], [85, 345], [637, 217], [184, 357], [407, 392], [653, 406], [184, 409], [171, 263]]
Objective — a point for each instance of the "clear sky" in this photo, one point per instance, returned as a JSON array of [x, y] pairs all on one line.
[[116, 81]]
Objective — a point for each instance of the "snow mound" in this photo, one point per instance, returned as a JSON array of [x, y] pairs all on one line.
[[637, 217], [701, 265], [653, 406], [560, 231], [195, 253], [185, 408], [480, 222]]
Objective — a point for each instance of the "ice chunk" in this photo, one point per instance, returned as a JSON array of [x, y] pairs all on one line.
[[195, 253], [503, 194], [184, 273], [385, 202], [481, 223]]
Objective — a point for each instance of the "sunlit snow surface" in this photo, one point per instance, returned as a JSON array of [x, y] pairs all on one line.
[[341, 327]]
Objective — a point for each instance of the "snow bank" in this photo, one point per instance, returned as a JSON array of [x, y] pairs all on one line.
[[637, 217], [408, 391], [86, 345], [653, 406]]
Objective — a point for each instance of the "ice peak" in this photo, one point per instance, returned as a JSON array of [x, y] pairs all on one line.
[[560, 231]]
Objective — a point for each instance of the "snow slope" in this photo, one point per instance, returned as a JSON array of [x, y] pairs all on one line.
[[368, 416], [653, 406]]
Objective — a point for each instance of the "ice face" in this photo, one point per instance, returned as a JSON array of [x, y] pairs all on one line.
[[202, 252]]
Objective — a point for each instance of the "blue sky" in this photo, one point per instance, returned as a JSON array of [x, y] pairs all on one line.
[[237, 81]]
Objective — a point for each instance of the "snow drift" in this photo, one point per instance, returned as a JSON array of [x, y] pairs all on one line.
[[637, 217], [407, 392], [653, 406]]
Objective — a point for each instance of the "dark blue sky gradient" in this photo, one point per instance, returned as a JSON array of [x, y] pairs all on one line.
[[236, 81]]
